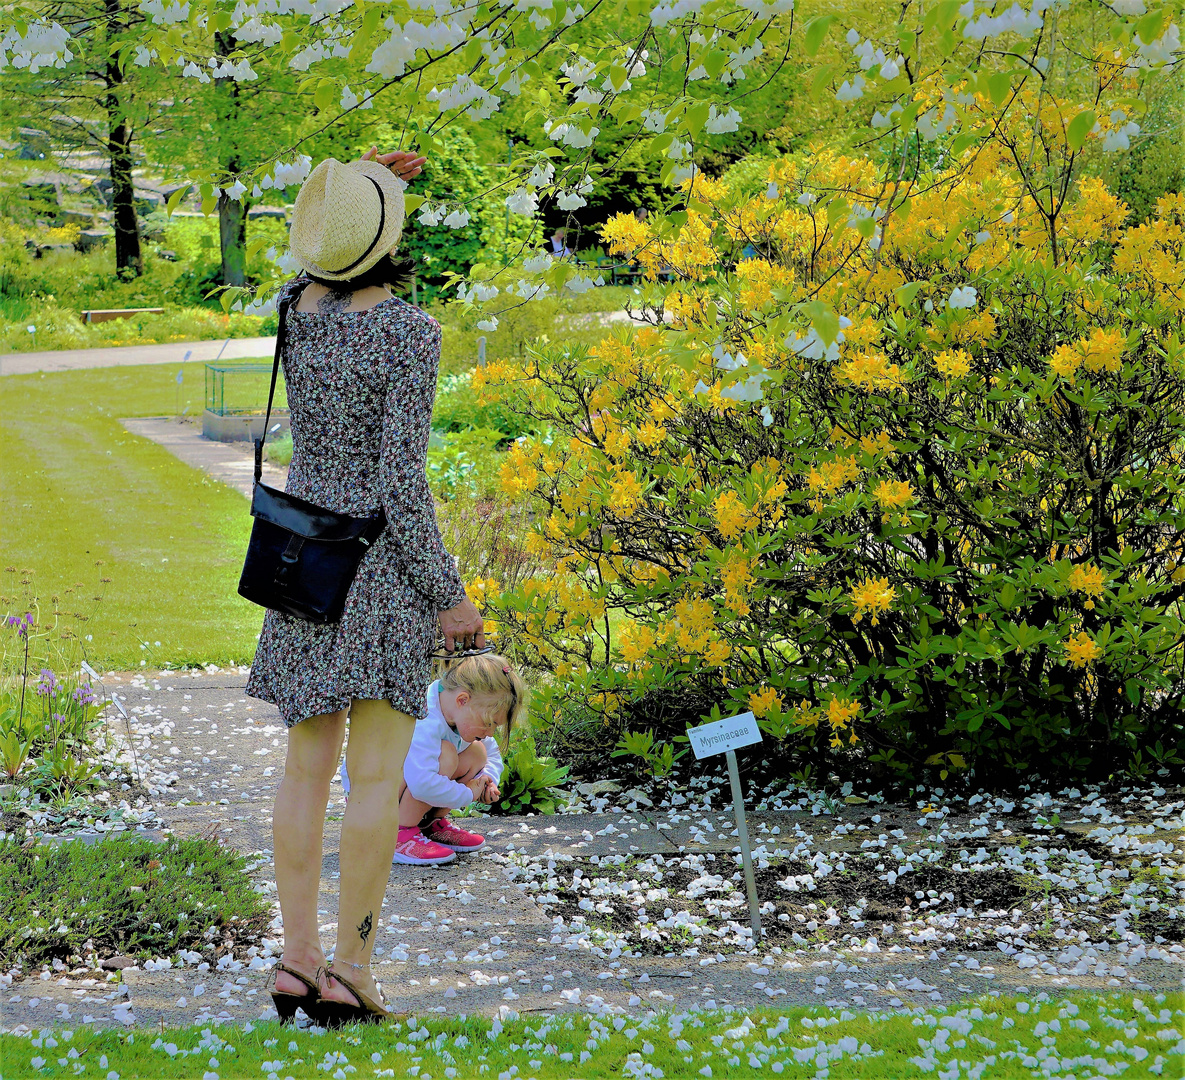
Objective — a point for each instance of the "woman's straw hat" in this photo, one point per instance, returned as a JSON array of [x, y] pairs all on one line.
[[347, 217]]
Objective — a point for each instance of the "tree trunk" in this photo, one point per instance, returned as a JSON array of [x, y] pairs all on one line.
[[129, 261], [232, 213], [232, 236]]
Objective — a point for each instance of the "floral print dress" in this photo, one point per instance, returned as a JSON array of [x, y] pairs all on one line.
[[360, 389]]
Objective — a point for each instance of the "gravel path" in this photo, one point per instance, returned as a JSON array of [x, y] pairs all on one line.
[[514, 926]]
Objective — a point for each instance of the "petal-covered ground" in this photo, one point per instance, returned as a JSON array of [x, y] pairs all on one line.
[[618, 908]]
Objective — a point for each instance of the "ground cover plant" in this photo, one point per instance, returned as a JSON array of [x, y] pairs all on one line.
[[74, 904], [995, 1037]]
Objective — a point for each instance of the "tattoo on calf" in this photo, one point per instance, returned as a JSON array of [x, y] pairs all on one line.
[[334, 301], [365, 926]]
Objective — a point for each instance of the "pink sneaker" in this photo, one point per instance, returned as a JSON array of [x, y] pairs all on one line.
[[446, 834], [415, 849]]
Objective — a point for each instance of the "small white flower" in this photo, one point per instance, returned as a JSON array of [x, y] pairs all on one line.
[[570, 200], [489, 325], [541, 175], [964, 296], [458, 219], [848, 92], [767, 417], [771, 192], [523, 201]]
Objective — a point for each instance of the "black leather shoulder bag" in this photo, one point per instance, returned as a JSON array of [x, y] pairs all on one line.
[[302, 559]]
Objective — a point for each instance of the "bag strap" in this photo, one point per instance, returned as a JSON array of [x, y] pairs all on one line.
[[281, 339]]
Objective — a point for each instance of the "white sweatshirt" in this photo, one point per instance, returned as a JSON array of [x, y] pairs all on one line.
[[421, 769]]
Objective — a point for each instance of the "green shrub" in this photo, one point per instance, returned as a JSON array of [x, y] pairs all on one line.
[[528, 780]]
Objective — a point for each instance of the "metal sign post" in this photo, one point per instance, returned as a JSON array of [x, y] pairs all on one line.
[[726, 736]]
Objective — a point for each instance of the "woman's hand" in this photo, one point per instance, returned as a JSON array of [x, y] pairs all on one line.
[[493, 793], [462, 627], [402, 163]]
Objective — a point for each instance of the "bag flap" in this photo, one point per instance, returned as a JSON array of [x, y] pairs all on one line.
[[312, 522]]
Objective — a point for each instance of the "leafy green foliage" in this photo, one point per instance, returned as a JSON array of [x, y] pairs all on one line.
[[658, 759], [126, 895], [528, 779]]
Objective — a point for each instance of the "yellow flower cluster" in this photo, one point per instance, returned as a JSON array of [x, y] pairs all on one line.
[[736, 574], [735, 515], [483, 591], [893, 495], [1102, 351], [872, 596], [766, 702], [636, 641], [1089, 579], [1150, 255], [953, 364], [869, 371], [841, 713], [758, 278], [1081, 649], [517, 475]]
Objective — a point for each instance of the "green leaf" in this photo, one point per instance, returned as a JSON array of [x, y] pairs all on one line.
[[906, 294], [1150, 27], [326, 94], [816, 31], [821, 78], [1079, 128], [824, 320], [697, 114], [714, 62], [837, 210], [175, 199], [999, 86], [411, 203], [866, 227]]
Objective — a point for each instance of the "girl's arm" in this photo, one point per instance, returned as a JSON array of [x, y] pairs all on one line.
[[493, 767], [421, 772]]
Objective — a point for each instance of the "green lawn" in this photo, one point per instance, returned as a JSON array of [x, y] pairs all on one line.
[[1137, 1036], [77, 489]]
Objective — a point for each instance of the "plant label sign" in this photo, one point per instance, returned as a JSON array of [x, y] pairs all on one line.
[[726, 737], [723, 735]]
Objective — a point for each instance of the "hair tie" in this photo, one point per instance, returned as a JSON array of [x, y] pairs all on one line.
[[505, 670]]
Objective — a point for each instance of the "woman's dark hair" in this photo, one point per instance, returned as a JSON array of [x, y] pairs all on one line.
[[393, 272]]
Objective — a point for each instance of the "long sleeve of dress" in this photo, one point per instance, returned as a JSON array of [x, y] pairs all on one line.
[[407, 499], [421, 770]]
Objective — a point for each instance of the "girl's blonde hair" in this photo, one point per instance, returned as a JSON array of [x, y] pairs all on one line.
[[493, 682]]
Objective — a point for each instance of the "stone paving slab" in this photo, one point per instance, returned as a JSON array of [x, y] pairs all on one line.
[[465, 938]]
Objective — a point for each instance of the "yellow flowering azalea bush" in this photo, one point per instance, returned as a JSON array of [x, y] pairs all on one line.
[[908, 490]]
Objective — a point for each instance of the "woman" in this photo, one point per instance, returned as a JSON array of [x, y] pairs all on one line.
[[360, 367]]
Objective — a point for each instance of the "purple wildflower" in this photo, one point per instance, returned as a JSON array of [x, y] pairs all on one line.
[[48, 686], [85, 694], [20, 623]]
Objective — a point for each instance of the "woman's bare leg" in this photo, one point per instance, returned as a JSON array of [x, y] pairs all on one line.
[[379, 739], [314, 748]]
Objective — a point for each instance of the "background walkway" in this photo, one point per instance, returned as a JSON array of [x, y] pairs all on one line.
[[125, 355]]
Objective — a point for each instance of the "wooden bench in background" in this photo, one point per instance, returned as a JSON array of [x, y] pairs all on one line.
[[107, 314]]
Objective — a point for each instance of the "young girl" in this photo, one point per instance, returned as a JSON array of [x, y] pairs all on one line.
[[454, 758]]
